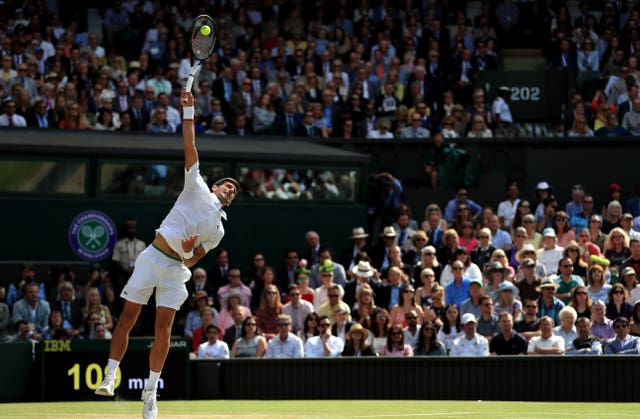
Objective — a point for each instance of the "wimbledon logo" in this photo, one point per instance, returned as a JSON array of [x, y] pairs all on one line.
[[92, 235]]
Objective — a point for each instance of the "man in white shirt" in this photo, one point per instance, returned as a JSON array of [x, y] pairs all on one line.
[[10, 118], [284, 344], [550, 254], [191, 229], [471, 343], [213, 348], [324, 345], [507, 208], [297, 308], [547, 343]]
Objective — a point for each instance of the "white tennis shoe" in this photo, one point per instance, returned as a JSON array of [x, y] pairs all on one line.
[[150, 408], [107, 385]]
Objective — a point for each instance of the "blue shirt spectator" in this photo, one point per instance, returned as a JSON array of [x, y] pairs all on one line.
[[461, 198]]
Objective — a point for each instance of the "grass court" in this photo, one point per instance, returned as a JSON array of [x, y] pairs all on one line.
[[323, 409]]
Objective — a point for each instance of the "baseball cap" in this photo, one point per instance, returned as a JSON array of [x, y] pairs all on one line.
[[468, 317]]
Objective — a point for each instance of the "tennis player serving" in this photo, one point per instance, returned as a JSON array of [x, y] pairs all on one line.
[[191, 229]]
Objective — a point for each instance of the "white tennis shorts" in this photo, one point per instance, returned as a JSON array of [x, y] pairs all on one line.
[[154, 269]]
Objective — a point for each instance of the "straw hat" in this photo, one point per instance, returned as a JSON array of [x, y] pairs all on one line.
[[358, 328], [527, 247], [359, 233], [363, 268], [547, 283]]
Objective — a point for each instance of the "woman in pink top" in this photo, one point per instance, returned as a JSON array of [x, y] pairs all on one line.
[[395, 343]]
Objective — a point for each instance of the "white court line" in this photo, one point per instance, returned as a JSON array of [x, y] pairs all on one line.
[[401, 415], [501, 414]]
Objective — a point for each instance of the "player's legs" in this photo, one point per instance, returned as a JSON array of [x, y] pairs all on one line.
[[126, 321], [160, 349]]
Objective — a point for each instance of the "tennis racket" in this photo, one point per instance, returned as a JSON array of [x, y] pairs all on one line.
[[202, 42]]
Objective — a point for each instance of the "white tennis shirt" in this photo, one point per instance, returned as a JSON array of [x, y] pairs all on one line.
[[197, 211]]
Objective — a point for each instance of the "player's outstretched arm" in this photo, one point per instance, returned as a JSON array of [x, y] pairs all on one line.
[[188, 131]]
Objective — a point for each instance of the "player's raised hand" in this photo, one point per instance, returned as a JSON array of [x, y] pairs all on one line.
[[188, 243], [187, 99]]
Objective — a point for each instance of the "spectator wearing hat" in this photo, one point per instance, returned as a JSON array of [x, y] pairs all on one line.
[[624, 343], [364, 274], [529, 279], [325, 345], [547, 343], [285, 344], [626, 223], [542, 191], [548, 304], [357, 342], [349, 256], [507, 300], [629, 279], [470, 343], [633, 261], [550, 253], [502, 113], [325, 257]]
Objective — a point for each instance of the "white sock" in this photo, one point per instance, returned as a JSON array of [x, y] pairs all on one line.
[[152, 383], [112, 366]]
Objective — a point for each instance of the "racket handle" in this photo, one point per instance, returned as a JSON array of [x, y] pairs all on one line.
[[189, 84], [192, 76]]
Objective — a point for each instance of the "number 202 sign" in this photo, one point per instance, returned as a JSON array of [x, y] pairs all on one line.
[[536, 96]]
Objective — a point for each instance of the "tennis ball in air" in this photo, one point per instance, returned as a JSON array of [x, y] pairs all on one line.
[[205, 30]]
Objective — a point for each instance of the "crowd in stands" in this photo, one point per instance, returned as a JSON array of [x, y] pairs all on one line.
[[320, 69], [531, 277]]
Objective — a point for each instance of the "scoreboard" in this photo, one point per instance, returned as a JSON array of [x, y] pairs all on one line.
[[73, 369]]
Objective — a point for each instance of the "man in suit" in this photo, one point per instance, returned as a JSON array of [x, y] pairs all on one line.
[[39, 117], [286, 122], [258, 81], [370, 89], [32, 310], [242, 101], [238, 126], [140, 114], [71, 310], [369, 122], [348, 256], [218, 274], [234, 332], [286, 274], [295, 65], [566, 58], [306, 127], [311, 253], [224, 86], [123, 101]]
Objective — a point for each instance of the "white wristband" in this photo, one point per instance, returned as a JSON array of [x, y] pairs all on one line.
[[188, 255], [188, 113]]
